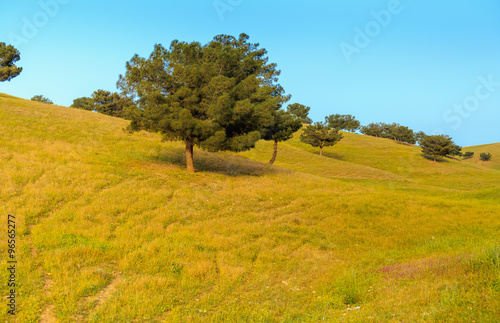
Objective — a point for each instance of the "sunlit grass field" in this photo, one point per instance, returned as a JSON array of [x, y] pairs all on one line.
[[110, 228], [493, 149]]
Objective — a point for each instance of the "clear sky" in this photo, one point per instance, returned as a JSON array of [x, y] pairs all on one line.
[[430, 65]]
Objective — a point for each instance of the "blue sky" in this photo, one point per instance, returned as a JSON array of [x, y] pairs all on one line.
[[430, 65]]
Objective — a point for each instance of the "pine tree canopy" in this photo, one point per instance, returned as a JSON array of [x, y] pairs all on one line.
[[84, 103], [8, 57], [301, 111], [320, 135], [437, 146], [345, 122]]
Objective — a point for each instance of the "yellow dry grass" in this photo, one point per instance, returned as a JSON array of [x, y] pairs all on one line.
[[112, 229]]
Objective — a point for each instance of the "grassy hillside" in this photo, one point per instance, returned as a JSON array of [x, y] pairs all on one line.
[[493, 149], [358, 156], [110, 228]]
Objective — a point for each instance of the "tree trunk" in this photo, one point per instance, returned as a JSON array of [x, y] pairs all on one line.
[[275, 152], [434, 158], [189, 157], [321, 150]]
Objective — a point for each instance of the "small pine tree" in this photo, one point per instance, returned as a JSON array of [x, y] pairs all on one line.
[[485, 156], [282, 128], [468, 154], [320, 135], [42, 99]]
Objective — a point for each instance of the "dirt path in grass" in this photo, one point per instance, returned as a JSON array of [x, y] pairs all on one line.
[[103, 295], [97, 301], [48, 315]]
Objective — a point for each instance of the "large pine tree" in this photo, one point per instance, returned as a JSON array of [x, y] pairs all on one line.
[[437, 146], [216, 96]]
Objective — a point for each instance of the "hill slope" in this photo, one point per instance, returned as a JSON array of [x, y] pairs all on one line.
[[493, 149], [365, 157], [111, 228]]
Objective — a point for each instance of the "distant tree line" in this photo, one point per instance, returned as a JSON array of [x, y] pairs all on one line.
[[392, 131], [105, 102], [42, 99], [433, 146]]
